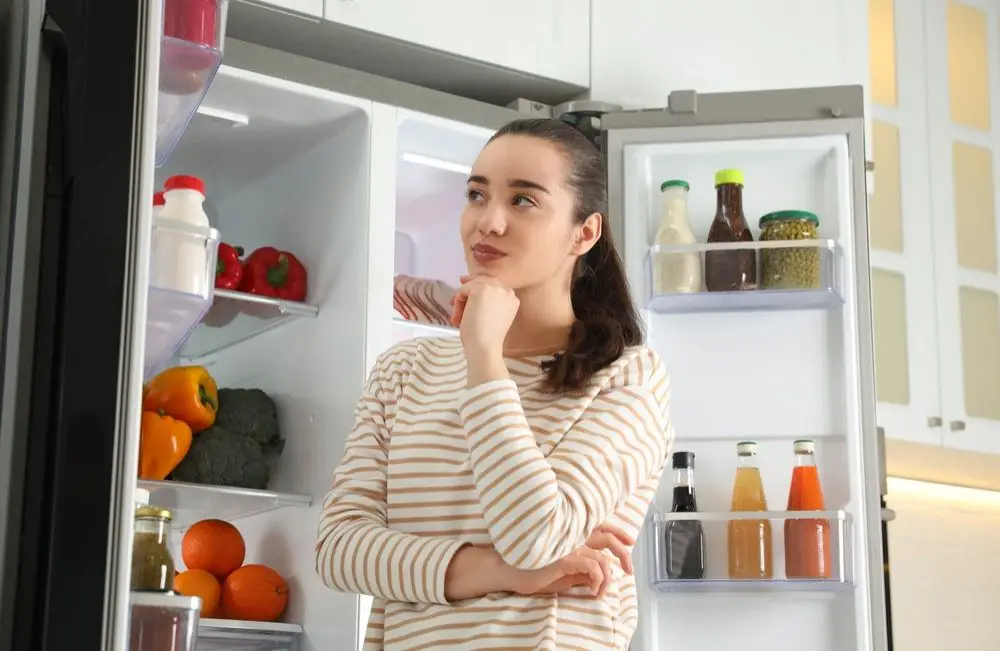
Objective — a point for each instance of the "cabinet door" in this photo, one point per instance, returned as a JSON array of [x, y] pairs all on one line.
[[548, 38], [906, 365], [964, 119]]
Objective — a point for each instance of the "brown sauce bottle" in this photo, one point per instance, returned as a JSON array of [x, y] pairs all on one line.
[[732, 270]]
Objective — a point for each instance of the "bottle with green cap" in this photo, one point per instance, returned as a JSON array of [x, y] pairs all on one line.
[[735, 269], [678, 272]]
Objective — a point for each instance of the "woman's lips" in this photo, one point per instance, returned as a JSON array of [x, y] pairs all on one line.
[[485, 254]]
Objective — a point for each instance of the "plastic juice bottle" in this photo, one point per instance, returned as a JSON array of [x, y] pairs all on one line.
[[807, 541], [750, 546], [676, 272]]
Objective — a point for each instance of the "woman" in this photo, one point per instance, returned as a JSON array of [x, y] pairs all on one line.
[[487, 474]]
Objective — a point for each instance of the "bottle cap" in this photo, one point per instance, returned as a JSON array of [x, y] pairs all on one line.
[[746, 448], [674, 183], [723, 177], [153, 512], [804, 446], [683, 460], [158, 199], [184, 182]]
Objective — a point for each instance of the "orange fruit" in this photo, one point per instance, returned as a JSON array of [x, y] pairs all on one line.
[[254, 593], [214, 546], [199, 583]]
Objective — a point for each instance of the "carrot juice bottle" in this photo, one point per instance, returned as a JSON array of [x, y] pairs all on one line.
[[750, 547], [807, 541]]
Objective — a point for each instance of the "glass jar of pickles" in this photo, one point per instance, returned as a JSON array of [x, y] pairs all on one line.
[[794, 267], [152, 562]]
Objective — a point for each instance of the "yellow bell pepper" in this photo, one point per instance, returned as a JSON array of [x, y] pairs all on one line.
[[163, 443], [187, 393]]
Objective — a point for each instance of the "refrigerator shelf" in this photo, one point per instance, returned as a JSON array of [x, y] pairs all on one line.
[[823, 291], [190, 503], [715, 527], [425, 329], [237, 316], [233, 635]]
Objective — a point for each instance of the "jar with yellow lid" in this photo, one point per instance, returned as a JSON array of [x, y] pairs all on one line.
[[152, 562], [790, 268]]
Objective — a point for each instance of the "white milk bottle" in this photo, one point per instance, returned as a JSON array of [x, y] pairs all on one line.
[[180, 257], [675, 272]]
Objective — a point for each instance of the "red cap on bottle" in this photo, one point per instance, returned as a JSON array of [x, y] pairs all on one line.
[[158, 199], [184, 182]]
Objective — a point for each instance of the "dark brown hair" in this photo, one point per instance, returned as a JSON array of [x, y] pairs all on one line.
[[607, 322]]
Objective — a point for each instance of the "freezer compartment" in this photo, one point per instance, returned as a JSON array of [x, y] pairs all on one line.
[[434, 160], [178, 296], [791, 275], [163, 622], [229, 635], [190, 54], [716, 532]]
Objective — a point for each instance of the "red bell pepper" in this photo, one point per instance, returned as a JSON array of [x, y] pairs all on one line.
[[270, 272], [228, 266]]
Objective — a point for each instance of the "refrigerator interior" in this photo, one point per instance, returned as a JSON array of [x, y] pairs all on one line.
[[783, 371], [288, 166]]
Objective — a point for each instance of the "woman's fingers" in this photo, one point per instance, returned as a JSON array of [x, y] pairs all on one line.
[[617, 532], [609, 541]]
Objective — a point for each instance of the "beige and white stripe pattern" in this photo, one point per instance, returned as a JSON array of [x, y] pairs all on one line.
[[432, 464], [422, 300]]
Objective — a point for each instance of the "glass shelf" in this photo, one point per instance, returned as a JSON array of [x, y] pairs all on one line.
[[190, 503], [425, 329], [715, 527], [233, 635], [813, 281], [237, 316]]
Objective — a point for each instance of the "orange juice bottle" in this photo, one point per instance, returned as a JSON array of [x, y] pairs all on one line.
[[749, 541], [807, 541]]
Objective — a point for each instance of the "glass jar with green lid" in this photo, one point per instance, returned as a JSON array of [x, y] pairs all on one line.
[[152, 563], [790, 268]]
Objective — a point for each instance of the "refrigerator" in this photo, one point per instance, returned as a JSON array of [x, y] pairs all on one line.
[[362, 178]]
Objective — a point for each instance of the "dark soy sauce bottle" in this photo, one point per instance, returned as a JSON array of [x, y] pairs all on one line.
[[684, 542]]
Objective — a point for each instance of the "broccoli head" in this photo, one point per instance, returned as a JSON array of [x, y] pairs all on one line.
[[251, 413], [219, 457]]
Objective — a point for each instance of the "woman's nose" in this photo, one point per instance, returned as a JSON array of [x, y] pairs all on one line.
[[492, 222]]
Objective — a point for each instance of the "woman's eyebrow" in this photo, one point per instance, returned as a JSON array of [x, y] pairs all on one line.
[[522, 183]]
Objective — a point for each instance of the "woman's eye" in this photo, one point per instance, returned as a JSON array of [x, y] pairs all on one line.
[[523, 201], [473, 195]]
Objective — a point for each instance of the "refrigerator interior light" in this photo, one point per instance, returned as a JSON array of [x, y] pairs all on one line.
[[238, 119], [447, 166], [949, 492]]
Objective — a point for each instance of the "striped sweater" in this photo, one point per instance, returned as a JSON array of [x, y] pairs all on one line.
[[433, 464]]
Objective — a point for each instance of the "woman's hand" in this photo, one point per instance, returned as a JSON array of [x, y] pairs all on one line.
[[484, 311], [578, 569]]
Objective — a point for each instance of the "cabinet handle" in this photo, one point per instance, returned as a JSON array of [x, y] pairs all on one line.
[[957, 425], [934, 421], [869, 166]]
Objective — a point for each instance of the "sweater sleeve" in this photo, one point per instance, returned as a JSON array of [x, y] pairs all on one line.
[[356, 551], [540, 509]]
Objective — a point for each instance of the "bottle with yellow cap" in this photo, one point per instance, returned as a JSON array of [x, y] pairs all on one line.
[[734, 269]]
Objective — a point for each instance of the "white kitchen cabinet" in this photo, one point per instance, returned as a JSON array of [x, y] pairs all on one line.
[[935, 280], [548, 38], [963, 83], [900, 233]]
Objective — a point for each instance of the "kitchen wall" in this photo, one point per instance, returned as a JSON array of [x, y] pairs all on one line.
[[944, 566]]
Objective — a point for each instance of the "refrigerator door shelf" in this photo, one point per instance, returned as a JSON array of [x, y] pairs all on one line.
[[163, 622], [238, 316], [190, 55], [715, 527], [190, 503], [814, 266], [227, 635]]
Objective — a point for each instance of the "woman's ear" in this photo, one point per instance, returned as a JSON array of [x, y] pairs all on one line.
[[588, 233]]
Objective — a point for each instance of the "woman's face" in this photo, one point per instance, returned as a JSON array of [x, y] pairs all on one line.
[[518, 225]]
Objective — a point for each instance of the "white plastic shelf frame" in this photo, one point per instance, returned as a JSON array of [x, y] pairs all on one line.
[[190, 503]]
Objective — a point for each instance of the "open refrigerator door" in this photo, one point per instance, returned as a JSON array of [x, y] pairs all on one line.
[[779, 355]]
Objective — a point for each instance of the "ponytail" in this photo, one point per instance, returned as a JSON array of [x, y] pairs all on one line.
[[607, 322]]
